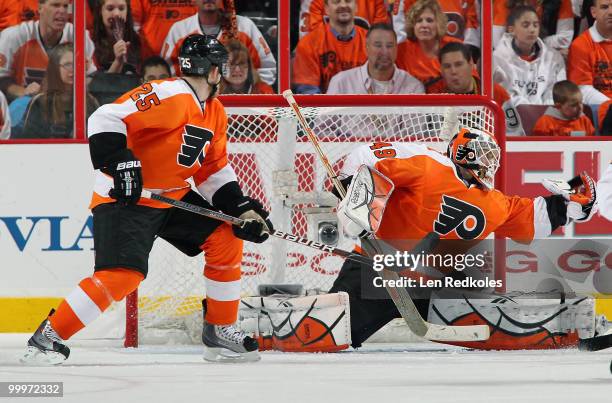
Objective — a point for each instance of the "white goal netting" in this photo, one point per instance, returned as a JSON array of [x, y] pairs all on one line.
[[275, 163]]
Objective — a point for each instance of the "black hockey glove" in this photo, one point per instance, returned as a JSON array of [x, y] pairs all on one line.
[[126, 171], [256, 227]]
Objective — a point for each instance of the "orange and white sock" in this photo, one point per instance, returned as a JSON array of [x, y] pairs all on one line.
[[91, 297], [223, 254]]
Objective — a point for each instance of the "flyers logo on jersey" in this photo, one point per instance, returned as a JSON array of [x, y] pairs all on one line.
[[195, 141], [467, 220]]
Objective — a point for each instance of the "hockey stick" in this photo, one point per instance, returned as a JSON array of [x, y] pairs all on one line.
[[595, 343], [402, 300], [237, 221]]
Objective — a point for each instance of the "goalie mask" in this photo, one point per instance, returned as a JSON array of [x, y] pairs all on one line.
[[477, 152]]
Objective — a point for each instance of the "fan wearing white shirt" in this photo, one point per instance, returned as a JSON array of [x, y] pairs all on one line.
[[379, 74]]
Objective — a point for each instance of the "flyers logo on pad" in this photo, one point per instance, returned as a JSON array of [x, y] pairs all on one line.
[[467, 220], [195, 141]]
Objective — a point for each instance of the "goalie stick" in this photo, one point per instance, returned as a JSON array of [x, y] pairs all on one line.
[[400, 296]]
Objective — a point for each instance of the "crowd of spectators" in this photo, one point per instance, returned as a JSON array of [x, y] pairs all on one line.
[[553, 53]]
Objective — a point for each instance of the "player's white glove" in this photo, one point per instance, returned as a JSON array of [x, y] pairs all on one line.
[[580, 195]]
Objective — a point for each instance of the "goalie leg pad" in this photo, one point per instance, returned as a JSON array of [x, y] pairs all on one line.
[[371, 308], [317, 323], [523, 322]]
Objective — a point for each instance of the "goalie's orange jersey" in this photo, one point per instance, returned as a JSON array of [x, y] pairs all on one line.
[[429, 196], [172, 135]]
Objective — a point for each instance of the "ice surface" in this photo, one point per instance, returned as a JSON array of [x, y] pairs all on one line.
[[104, 372]]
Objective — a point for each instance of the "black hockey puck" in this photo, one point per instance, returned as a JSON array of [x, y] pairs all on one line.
[[611, 367]]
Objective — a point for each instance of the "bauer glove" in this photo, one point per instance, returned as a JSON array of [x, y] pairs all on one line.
[[256, 227], [126, 171]]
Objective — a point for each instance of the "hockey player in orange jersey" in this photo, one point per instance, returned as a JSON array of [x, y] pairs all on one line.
[[451, 195], [158, 136]]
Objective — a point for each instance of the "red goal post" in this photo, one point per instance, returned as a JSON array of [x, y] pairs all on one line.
[[275, 163]]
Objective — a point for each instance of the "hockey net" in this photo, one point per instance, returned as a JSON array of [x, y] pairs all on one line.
[[275, 163]]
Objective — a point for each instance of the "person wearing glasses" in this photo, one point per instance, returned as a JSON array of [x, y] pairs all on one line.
[[50, 113], [241, 77]]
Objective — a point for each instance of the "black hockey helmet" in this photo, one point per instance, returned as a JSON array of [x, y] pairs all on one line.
[[199, 53]]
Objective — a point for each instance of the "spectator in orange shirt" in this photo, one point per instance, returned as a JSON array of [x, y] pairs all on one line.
[[604, 116], [211, 18], [462, 16], [333, 47], [426, 35], [154, 18], [13, 12], [459, 76], [590, 57], [368, 12], [24, 48], [379, 75], [566, 117], [242, 77], [117, 44], [155, 68]]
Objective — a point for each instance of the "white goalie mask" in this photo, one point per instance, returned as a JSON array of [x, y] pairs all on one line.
[[478, 153]]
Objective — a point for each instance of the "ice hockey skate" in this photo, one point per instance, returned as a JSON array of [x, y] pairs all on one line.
[[228, 344], [45, 347]]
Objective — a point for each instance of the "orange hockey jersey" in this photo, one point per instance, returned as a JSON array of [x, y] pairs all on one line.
[[429, 196], [248, 33], [155, 18], [172, 135], [552, 123], [410, 57], [22, 53], [320, 55], [368, 12]]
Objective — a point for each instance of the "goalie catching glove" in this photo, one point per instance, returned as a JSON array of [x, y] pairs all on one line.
[[126, 171], [256, 227], [580, 194]]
